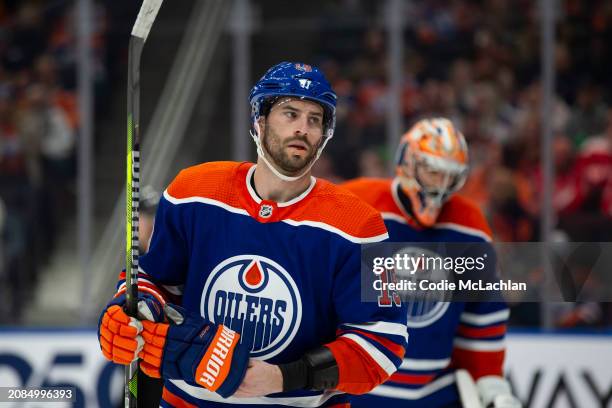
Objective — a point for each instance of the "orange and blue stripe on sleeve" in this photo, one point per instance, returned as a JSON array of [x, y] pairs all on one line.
[[365, 359], [146, 285], [169, 399], [479, 344]]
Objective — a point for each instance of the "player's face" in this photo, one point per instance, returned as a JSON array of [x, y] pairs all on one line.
[[292, 132], [432, 180]]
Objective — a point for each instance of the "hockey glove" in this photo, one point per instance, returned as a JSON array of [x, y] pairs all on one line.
[[119, 334], [495, 392], [193, 349]]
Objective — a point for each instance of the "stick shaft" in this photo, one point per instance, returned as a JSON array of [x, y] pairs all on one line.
[[132, 201], [142, 27]]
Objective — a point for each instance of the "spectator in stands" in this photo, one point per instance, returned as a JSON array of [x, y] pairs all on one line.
[[46, 73], [324, 168], [589, 116], [371, 164], [12, 158], [567, 193], [38, 127]]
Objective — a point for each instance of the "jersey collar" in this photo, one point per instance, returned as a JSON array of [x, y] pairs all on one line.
[[395, 192], [258, 200], [268, 210]]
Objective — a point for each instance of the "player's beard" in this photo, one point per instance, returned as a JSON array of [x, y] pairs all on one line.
[[289, 164]]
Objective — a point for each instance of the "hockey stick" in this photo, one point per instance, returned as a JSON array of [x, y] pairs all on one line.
[[140, 31], [468, 393]]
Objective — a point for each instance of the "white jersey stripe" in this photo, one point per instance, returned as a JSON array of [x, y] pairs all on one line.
[[393, 217], [463, 229], [144, 280], [327, 227], [378, 356], [315, 224], [485, 319], [394, 329], [204, 200], [414, 394], [203, 394], [141, 280], [480, 345], [424, 365], [175, 290]]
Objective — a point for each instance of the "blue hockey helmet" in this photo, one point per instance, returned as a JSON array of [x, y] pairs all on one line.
[[294, 79]]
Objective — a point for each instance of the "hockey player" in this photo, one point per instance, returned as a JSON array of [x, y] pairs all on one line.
[[264, 260], [419, 205]]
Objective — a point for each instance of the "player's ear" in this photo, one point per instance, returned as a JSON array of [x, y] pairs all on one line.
[[262, 123]]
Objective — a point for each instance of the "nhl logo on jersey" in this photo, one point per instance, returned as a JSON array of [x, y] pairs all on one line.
[[256, 297], [265, 211]]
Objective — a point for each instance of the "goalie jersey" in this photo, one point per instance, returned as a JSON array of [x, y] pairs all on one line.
[[284, 275], [443, 335]]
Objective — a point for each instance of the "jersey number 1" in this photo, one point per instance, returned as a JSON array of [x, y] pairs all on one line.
[[388, 297]]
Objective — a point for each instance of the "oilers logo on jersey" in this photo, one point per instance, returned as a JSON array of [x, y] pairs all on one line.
[[256, 297], [423, 307]]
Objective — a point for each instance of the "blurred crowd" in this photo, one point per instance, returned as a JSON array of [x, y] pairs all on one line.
[[39, 125], [478, 63], [475, 62]]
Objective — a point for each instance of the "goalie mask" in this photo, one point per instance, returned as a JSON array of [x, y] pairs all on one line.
[[432, 164], [292, 80]]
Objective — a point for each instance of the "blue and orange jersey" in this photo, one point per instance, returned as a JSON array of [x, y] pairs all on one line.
[[443, 335], [283, 275]]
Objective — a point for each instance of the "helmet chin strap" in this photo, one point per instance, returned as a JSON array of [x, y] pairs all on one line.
[[260, 152]]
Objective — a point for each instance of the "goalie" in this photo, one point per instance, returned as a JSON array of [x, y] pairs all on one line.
[[419, 205]]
